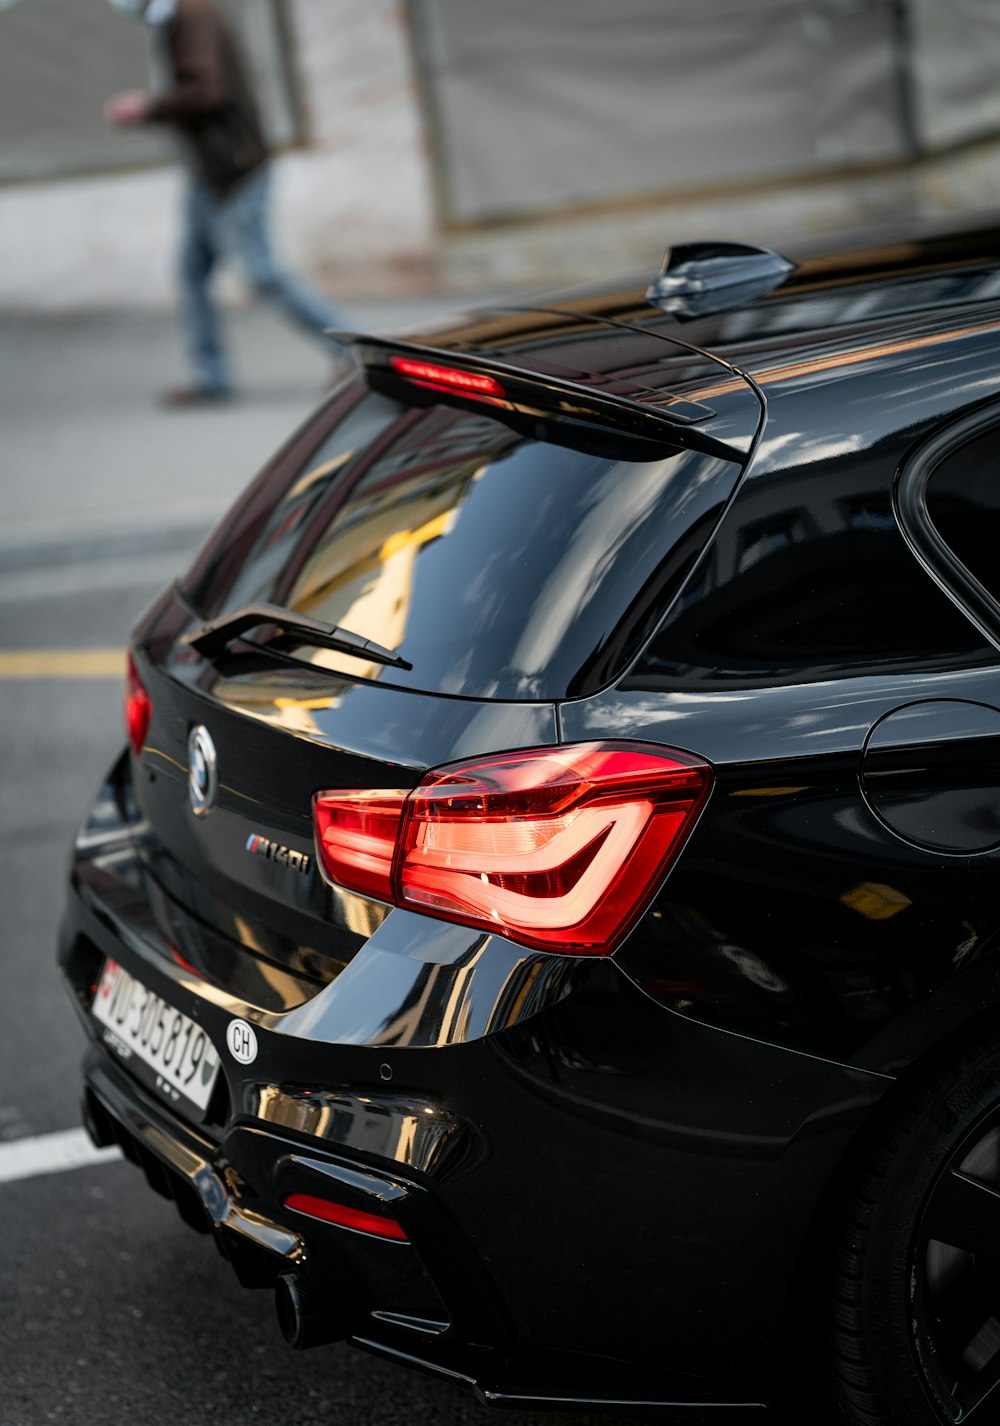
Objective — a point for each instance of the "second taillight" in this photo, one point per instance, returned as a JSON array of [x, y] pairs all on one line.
[[138, 707], [557, 848]]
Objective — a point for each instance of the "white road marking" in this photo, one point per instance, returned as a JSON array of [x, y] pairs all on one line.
[[51, 1153]]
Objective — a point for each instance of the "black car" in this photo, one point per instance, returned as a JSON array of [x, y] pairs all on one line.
[[546, 922]]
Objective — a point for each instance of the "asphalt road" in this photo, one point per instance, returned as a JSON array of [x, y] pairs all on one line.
[[110, 1309]]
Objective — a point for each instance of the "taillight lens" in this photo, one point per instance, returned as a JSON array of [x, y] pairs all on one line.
[[138, 707], [356, 834], [557, 848]]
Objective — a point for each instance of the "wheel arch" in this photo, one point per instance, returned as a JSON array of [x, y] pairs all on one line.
[[909, 1052]]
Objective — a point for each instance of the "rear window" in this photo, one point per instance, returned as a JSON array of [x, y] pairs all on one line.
[[498, 565]]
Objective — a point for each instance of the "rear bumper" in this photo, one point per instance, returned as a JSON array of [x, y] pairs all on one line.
[[595, 1192], [468, 1338], [235, 1189]]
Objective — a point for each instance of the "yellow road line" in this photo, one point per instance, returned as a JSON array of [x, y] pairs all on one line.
[[62, 663]]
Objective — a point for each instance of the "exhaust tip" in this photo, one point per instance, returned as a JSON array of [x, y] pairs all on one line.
[[302, 1322]]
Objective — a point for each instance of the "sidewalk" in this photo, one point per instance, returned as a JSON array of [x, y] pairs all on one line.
[[92, 469]]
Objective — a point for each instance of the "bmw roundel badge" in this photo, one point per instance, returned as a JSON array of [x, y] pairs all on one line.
[[203, 777]]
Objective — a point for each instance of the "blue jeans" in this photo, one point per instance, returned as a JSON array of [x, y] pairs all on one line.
[[236, 227]]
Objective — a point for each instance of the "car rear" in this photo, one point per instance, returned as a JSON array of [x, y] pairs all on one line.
[[349, 889]]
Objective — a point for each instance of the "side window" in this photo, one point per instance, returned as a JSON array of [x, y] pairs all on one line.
[[962, 498], [809, 577], [947, 501]]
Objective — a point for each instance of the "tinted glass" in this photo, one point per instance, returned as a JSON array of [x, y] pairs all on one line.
[[498, 566], [809, 578], [963, 501]]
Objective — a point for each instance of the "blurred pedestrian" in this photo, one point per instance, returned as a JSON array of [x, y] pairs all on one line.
[[209, 101]]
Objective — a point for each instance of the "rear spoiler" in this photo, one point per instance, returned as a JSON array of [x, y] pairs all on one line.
[[526, 398]]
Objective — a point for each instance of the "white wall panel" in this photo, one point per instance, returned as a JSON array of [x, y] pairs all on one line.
[[60, 60], [540, 105], [956, 64]]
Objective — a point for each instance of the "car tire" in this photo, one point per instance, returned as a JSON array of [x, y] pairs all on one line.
[[916, 1292]]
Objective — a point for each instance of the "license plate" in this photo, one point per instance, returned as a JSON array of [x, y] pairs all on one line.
[[181, 1058]]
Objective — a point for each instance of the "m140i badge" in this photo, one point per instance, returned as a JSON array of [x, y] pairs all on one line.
[[275, 852]]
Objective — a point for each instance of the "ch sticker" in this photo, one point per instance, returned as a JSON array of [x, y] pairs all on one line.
[[241, 1041]]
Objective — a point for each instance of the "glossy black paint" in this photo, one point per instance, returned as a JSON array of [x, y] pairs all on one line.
[[627, 1158], [589, 1098], [795, 913], [931, 771]]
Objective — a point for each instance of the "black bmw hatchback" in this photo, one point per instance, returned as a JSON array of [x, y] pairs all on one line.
[[545, 924]]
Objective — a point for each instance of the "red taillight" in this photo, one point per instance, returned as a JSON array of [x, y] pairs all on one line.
[[361, 1222], [557, 848], [138, 707], [448, 378], [357, 834]]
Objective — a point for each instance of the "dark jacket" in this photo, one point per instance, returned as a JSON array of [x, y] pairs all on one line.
[[211, 102]]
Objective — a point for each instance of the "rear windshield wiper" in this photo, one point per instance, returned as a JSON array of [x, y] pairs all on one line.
[[213, 636]]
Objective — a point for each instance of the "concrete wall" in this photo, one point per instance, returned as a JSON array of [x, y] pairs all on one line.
[[951, 188], [354, 207], [357, 205]]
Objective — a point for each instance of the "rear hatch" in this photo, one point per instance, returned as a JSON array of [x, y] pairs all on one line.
[[503, 511]]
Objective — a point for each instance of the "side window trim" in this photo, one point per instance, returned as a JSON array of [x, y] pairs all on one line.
[[909, 503]]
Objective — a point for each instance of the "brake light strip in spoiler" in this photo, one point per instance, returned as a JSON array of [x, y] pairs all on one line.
[[531, 394]]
